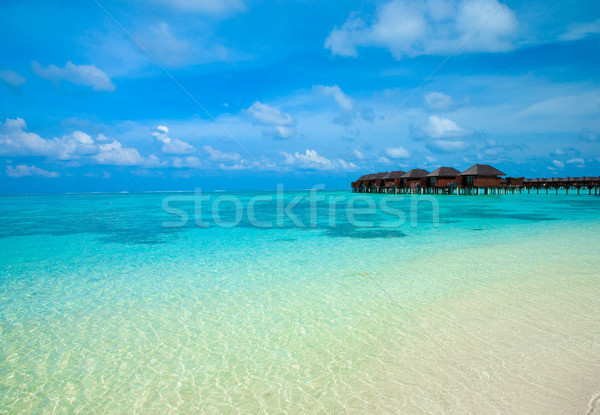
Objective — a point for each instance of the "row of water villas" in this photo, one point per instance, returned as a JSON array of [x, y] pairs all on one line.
[[478, 179]]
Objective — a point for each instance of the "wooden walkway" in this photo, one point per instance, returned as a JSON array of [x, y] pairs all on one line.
[[591, 188]]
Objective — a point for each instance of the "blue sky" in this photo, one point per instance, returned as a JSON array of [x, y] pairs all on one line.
[[248, 94]]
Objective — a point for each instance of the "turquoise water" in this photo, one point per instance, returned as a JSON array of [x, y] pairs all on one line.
[[458, 304]]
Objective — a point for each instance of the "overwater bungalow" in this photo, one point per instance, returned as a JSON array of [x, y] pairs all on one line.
[[378, 181], [442, 179], [368, 182], [477, 179], [480, 176], [393, 180], [515, 181], [415, 179]]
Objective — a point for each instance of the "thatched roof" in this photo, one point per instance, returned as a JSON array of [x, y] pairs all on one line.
[[444, 172], [396, 174], [380, 176], [387, 176], [482, 170], [415, 174], [363, 177]]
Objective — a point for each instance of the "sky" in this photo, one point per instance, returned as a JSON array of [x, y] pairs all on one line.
[[140, 95]]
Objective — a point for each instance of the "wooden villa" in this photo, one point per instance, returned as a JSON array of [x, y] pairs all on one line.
[[378, 181], [480, 176], [414, 180], [478, 179], [442, 180], [394, 181]]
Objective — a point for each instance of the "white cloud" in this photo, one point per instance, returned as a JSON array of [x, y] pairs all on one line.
[[588, 135], [113, 153], [348, 107], [269, 115], [186, 162], [449, 145], [411, 28], [344, 101], [280, 132], [358, 154], [84, 75], [311, 160], [577, 160], [211, 7], [235, 166], [12, 78], [430, 159], [165, 46], [438, 101], [280, 123], [22, 170], [171, 145], [217, 155], [16, 141], [581, 30], [397, 153], [559, 164], [587, 103], [443, 127]]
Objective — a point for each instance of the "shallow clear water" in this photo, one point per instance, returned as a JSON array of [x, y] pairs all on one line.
[[476, 304]]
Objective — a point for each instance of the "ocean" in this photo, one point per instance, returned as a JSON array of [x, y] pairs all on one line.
[[299, 302]]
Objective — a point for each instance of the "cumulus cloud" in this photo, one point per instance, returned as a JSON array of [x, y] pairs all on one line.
[[348, 107], [186, 162], [15, 140], [577, 160], [358, 154], [113, 153], [438, 127], [279, 124], [558, 163], [280, 132], [397, 153], [269, 115], [211, 7], [12, 78], [581, 30], [411, 28], [23, 170], [217, 155], [438, 101], [311, 160], [84, 75], [171, 145]]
